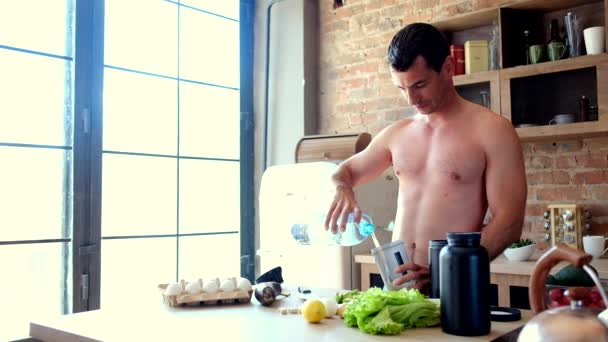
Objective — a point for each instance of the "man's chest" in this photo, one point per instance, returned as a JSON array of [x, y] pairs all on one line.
[[452, 159]]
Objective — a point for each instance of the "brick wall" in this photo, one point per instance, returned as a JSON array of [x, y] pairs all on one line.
[[356, 95]]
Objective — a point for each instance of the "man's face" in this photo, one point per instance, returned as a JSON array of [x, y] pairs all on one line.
[[423, 87]]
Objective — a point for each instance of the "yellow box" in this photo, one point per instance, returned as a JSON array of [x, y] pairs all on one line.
[[475, 56]]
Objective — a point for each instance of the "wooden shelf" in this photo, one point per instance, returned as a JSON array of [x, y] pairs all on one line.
[[535, 93], [490, 77], [548, 5], [467, 21], [478, 77], [577, 130], [581, 62]]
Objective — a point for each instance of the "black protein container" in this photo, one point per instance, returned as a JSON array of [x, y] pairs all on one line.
[[464, 286], [435, 247]]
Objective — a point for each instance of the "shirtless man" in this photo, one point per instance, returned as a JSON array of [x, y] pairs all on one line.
[[454, 159]]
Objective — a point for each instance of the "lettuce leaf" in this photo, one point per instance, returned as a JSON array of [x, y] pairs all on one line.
[[389, 312]]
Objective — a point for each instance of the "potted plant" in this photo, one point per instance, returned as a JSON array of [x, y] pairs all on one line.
[[520, 250]]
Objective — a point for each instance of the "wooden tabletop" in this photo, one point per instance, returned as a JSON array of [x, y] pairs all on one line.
[[155, 321], [503, 266]]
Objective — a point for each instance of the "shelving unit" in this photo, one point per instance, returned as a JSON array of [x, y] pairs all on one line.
[[489, 81], [535, 93]]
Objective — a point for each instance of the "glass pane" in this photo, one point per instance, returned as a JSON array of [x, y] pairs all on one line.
[[139, 195], [227, 8], [35, 98], [34, 280], [141, 105], [36, 25], [209, 48], [209, 256], [209, 121], [209, 196], [33, 196], [141, 35], [132, 269]]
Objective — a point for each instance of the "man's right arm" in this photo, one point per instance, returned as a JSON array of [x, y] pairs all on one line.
[[358, 169]]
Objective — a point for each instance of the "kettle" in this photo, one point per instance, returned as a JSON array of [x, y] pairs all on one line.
[[574, 323]]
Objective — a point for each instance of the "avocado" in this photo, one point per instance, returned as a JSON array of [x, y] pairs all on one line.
[[571, 276]]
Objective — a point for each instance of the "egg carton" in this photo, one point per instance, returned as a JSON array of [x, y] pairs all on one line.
[[231, 295]]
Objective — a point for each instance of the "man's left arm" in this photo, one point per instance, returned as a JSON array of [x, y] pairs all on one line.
[[506, 188]]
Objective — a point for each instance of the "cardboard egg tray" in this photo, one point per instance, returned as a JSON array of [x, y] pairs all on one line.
[[205, 298]]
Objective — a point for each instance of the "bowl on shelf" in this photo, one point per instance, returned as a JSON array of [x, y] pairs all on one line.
[[521, 253]]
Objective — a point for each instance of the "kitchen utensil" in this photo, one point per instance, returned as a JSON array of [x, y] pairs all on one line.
[[594, 245], [572, 324], [562, 119], [556, 50], [572, 24], [594, 40], [538, 53], [566, 223]]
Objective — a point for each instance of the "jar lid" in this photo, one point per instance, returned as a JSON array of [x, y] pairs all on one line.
[[467, 238], [501, 314], [476, 43], [438, 243]]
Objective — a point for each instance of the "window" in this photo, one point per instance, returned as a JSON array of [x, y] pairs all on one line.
[[125, 154]]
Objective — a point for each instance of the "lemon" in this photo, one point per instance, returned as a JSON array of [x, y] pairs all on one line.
[[313, 310]]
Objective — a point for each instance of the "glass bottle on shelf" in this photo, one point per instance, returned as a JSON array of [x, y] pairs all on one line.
[[554, 29], [527, 46], [493, 48]]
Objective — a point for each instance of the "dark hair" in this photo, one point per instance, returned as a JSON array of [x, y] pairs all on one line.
[[414, 40]]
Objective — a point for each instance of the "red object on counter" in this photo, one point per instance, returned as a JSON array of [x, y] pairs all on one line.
[[457, 53]]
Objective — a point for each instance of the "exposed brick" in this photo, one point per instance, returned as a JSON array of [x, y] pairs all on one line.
[[394, 115], [590, 177], [535, 209], [561, 194], [539, 162], [424, 4], [373, 5], [352, 83], [380, 103], [597, 209], [600, 193], [548, 177], [596, 144], [583, 160]]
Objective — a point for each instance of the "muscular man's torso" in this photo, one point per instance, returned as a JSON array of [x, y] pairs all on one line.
[[441, 182]]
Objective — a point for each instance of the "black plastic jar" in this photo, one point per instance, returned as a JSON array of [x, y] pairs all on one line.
[[465, 286], [435, 247]]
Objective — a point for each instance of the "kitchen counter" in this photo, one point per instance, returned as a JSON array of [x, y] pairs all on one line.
[[155, 321], [504, 273]]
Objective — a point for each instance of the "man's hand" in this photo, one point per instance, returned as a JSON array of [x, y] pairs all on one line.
[[415, 272], [343, 204]]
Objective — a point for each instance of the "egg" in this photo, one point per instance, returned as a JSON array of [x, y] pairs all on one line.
[[210, 287], [331, 306], [173, 289], [243, 284], [228, 285], [193, 287]]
